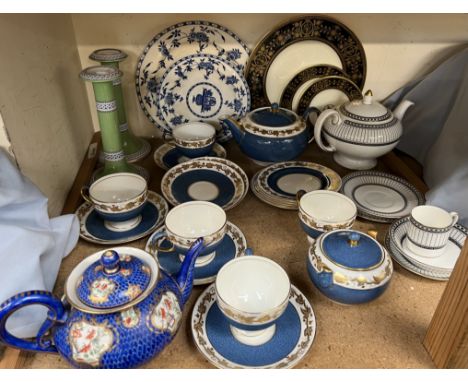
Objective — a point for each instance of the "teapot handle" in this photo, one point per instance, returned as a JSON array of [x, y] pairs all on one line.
[[324, 115], [306, 116], [57, 313]]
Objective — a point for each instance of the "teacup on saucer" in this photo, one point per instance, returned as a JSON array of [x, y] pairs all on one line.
[[118, 199], [194, 139], [252, 293]]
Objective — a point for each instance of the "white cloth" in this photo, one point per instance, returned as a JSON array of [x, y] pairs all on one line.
[[31, 245], [435, 131]]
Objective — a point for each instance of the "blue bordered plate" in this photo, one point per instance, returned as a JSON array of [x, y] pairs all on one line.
[[217, 180], [232, 246], [178, 41], [92, 227], [167, 156], [295, 333], [278, 183], [201, 87]]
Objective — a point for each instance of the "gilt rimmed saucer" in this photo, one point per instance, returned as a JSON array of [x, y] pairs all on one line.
[[93, 229], [167, 156], [379, 196], [294, 335], [278, 183], [216, 180], [233, 245], [437, 269]]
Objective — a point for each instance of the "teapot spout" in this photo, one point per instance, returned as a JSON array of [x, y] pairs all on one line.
[[400, 110], [184, 278], [235, 127]]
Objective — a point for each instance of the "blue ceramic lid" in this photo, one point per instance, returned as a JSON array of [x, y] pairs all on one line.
[[352, 249], [113, 281], [273, 116]]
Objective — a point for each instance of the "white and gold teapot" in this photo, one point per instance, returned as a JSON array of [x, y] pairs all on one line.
[[360, 131]]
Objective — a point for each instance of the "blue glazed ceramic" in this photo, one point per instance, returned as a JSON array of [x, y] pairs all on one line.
[[349, 267], [120, 310], [271, 134]]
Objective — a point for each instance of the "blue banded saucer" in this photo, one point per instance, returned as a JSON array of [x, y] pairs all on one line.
[[295, 333], [233, 245], [167, 156], [92, 226], [216, 180]]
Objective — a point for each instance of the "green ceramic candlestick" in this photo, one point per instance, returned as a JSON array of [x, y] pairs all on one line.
[[134, 148], [114, 158]]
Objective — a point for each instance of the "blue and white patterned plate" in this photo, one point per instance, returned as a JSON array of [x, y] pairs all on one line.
[[92, 226], [216, 180], [295, 333], [178, 41], [202, 87], [233, 245], [167, 156]]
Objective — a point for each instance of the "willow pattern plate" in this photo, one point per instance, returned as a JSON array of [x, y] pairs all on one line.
[[379, 196], [172, 44], [328, 91], [202, 88], [280, 182], [217, 180], [295, 333], [340, 39], [299, 83], [167, 156], [92, 226]]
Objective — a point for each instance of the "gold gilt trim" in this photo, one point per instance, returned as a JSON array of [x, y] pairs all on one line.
[[195, 144], [324, 227], [308, 329], [187, 242], [118, 207], [359, 282], [297, 128]]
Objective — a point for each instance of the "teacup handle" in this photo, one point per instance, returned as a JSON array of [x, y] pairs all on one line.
[[155, 242], [454, 216], [299, 195], [248, 252], [85, 194]]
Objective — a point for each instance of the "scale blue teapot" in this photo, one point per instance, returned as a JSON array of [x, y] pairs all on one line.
[[119, 310], [271, 134]]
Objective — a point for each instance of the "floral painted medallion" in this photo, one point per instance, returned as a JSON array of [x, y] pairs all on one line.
[[130, 317], [166, 314], [100, 290], [89, 342]]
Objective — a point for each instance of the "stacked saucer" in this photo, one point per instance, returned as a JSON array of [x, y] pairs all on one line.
[[278, 184], [436, 268]]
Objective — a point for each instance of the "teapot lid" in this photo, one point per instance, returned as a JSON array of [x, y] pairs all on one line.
[[366, 109], [273, 116], [113, 280], [352, 250]]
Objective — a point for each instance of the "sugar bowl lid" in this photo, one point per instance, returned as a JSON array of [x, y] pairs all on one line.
[[352, 250], [366, 110], [273, 116], [113, 280]]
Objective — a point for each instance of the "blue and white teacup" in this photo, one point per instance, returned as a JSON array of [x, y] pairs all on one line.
[[189, 221], [194, 139], [252, 293], [323, 211], [118, 199], [429, 230]]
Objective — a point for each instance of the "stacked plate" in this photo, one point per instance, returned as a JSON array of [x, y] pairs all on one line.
[[308, 61], [193, 71], [212, 179], [278, 184], [438, 268]]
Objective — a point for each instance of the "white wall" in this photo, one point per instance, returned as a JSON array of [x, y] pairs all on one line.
[[43, 103], [399, 47]]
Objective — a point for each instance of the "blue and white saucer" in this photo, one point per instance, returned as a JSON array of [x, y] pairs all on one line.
[[233, 245], [295, 333], [216, 180], [167, 156], [92, 226]]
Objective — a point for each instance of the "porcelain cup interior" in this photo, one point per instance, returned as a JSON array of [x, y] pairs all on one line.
[[429, 230], [191, 220], [195, 138], [327, 210]]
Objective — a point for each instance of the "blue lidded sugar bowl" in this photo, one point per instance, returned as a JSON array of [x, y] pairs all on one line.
[[119, 310], [349, 267], [271, 134]]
